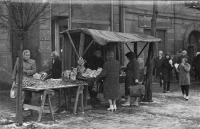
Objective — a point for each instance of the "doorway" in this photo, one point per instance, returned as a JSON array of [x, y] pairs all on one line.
[[58, 25]]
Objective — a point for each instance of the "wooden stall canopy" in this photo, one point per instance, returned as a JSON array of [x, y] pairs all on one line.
[[103, 37]]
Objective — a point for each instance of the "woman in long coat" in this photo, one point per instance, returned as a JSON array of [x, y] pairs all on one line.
[[29, 68], [167, 72], [110, 75], [132, 75], [184, 77]]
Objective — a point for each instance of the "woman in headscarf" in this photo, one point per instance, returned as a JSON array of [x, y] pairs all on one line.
[[55, 66], [132, 75], [29, 68], [167, 66]]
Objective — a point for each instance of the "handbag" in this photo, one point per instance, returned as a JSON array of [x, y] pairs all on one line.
[[13, 91], [137, 90]]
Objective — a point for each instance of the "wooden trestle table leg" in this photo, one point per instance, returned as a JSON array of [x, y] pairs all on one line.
[[42, 105], [79, 92], [50, 106]]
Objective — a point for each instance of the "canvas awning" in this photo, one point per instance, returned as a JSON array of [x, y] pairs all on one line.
[[103, 37]]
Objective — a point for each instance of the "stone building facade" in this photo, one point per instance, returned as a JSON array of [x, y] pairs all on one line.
[[177, 26]]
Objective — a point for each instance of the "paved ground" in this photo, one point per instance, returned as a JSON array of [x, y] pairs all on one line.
[[168, 111]]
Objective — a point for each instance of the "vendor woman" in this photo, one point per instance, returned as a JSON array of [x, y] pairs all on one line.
[[55, 66], [29, 68]]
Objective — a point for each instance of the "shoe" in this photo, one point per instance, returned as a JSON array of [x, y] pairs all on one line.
[[126, 104], [111, 108], [134, 104], [115, 107], [187, 98], [184, 96], [164, 91], [167, 91], [26, 109]]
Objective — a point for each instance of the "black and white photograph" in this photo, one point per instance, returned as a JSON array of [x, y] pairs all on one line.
[[99, 64]]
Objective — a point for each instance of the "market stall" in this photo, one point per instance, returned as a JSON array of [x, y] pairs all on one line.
[[46, 89], [79, 44]]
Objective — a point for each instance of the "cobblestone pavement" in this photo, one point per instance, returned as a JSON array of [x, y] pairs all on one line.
[[167, 111]]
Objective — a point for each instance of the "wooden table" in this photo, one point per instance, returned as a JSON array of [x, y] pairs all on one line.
[[46, 95]]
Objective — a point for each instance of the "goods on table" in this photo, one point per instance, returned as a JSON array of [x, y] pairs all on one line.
[[67, 81], [37, 76], [50, 83], [92, 73]]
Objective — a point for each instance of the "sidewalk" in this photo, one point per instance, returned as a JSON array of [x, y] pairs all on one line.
[[167, 111]]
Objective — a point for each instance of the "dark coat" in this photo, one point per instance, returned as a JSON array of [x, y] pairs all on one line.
[[55, 68], [184, 74], [158, 65], [132, 73], [110, 73], [196, 64], [167, 70], [95, 63]]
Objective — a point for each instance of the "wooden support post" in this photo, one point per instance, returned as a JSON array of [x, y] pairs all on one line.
[[81, 45], [135, 49], [142, 49], [65, 97], [88, 47], [72, 43], [128, 47], [82, 104], [85, 94]]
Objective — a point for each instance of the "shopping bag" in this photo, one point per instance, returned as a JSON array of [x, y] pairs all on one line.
[[137, 90], [13, 91]]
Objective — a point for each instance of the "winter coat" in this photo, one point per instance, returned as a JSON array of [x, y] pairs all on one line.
[[158, 65], [184, 74], [55, 68], [132, 73], [110, 75], [167, 70], [95, 62], [196, 64], [29, 65]]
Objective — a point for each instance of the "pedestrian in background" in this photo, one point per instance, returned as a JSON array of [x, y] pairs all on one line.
[[157, 67], [176, 60], [167, 67], [196, 66], [184, 77]]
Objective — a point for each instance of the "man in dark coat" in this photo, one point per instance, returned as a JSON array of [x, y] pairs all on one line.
[[167, 67], [95, 62], [110, 75], [157, 66], [195, 65]]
